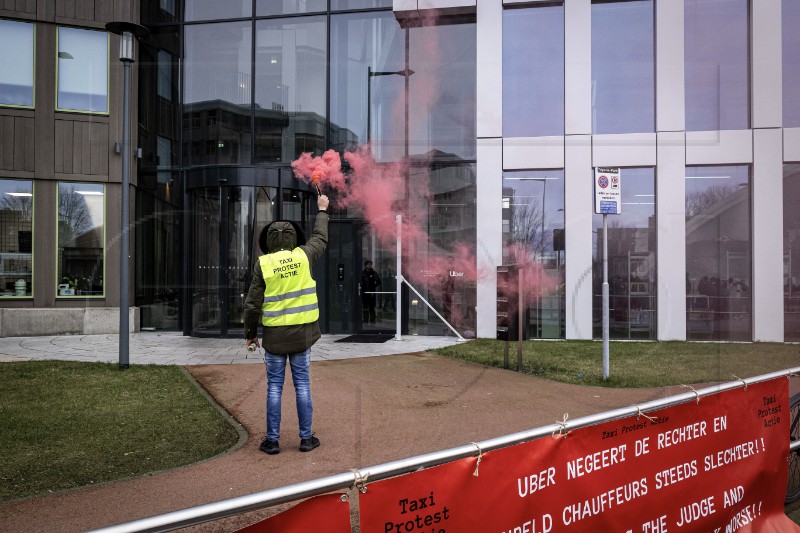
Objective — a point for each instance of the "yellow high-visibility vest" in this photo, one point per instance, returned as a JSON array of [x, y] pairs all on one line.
[[290, 297]]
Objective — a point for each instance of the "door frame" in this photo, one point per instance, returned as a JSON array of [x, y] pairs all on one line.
[[357, 230]]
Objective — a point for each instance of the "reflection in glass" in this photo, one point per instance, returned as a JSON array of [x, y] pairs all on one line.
[[81, 239], [361, 44], [159, 251], [216, 10], [164, 86], [82, 70], [718, 253], [16, 63], [16, 238], [249, 210], [533, 71], [290, 87], [533, 229], [716, 64], [442, 115], [452, 219], [289, 7], [631, 261], [790, 18], [205, 260], [337, 5], [623, 67], [791, 251], [216, 119], [225, 227]]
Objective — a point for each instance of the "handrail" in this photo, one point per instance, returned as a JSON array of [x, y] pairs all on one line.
[[268, 498]]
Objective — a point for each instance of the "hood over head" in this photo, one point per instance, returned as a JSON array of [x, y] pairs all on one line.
[[281, 235]]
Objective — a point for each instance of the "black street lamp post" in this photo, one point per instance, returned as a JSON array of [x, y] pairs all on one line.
[[127, 32]]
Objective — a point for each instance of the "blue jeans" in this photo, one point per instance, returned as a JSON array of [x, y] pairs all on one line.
[[276, 373]]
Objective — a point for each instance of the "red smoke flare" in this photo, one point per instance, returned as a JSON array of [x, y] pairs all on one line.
[[322, 171]]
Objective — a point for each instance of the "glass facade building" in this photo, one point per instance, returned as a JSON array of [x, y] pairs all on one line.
[[232, 96], [483, 122]]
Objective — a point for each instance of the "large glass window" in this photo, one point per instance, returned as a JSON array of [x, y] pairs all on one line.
[[623, 67], [533, 71], [442, 91], [290, 89], [16, 238], [791, 251], [82, 70], [80, 269], [533, 234], [717, 64], [16, 63], [718, 253], [366, 64], [216, 10], [631, 261], [217, 87], [790, 18]]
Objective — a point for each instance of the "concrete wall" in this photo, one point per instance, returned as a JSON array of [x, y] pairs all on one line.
[[71, 321]]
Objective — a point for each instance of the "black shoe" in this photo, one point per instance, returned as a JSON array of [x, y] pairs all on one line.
[[306, 445], [269, 447]]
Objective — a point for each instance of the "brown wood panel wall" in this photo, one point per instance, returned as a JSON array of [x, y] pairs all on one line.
[[90, 10], [22, 6], [81, 147], [16, 143]]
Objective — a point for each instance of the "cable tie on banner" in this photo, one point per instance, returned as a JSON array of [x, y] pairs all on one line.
[[360, 481], [562, 427], [696, 394], [639, 413], [345, 497], [740, 379], [480, 456]]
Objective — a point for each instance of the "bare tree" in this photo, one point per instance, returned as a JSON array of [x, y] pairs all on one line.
[[528, 227], [21, 205], [699, 201], [73, 216]]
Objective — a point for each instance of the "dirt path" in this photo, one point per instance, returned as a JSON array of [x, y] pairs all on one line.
[[366, 412]]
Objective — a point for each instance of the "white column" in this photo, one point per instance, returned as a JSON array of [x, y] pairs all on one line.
[[767, 235], [767, 64], [670, 112], [490, 232], [671, 236], [577, 67], [489, 185], [489, 44], [578, 183]]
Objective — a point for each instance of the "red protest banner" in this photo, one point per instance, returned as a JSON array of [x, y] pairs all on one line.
[[308, 515], [714, 466]]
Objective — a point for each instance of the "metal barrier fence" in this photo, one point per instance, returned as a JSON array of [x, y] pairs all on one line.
[[268, 498]]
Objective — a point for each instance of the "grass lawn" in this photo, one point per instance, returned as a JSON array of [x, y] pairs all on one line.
[[633, 364], [68, 424]]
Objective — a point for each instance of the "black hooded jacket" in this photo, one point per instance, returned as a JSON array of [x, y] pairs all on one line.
[[276, 236]]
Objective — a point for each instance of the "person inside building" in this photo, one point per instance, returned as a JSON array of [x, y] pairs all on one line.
[[370, 281], [283, 295]]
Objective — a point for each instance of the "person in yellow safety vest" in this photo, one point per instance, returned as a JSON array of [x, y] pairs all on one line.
[[283, 297]]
